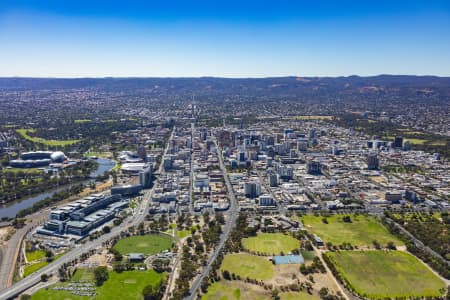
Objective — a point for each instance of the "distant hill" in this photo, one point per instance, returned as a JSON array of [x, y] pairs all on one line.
[[276, 87]]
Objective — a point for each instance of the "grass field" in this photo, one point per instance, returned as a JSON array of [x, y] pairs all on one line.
[[183, 233], [362, 231], [233, 290], [147, 244], [99, 154], [313, 118], [308, 255], [419, 141], [35, 255], [380, 274], [298, 296], [33, 268], [125, 285], [246, 265], [24, 133], [39, 265], [24, 170], [271, 243], [81, 121]]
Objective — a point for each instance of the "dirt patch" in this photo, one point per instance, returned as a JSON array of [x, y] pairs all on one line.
[[290, 274], [99, 259], [4, 233], [284, 274]]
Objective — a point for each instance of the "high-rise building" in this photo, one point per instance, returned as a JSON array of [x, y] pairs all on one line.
[[398, 142], [252, 189], [407, 146], [372, 161], [335, 150], [273, 180], [313, 167], [167, 162], [285, 172], [266, 200], [145, 177], [142, 152], [203, 134], [312, 133], [241, 156], [302, 145], [292, 153]]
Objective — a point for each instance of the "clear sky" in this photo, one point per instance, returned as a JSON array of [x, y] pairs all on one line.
[[78, 38]]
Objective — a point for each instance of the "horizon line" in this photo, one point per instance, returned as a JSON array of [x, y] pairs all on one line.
[[221, 77]]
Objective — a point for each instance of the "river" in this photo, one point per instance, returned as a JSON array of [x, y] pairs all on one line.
[[12, 208]]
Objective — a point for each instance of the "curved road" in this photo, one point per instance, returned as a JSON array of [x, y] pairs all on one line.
[[10, 253]]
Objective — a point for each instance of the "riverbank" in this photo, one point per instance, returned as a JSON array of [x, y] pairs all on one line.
[[11, 209]]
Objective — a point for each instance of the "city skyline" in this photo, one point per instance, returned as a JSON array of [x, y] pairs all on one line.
[[254, 39]]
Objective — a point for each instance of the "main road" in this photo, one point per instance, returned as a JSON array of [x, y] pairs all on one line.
[[12, 249], [230, 222], [53, 267]]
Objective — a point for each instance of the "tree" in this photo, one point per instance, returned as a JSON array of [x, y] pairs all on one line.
[[48, 253], [106, 229], [323, 292], [220, 218], [118, 267], [25, 297], [18, 222], [376, 244], [150, 293], [304, 269], [347, 219], [275, 295], [44, 277], [101, 275], [117, 255], [160, 265], [226, 275], [391, 245]]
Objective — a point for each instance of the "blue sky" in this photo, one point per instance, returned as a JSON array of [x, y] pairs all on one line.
[[79, 38]]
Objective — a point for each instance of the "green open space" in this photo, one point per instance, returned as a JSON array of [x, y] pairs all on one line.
[[233, 290], [379, 274], [29, 269], [98, 154], [271, 243], [421, 141], [297, 296], [147, 244], [313, 118], [83, 275], [81, 121], [24, 170], [34, 255], [125, 285], [183, 233], [24, 134], [308, 255], [247, 265], [362, 230]]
